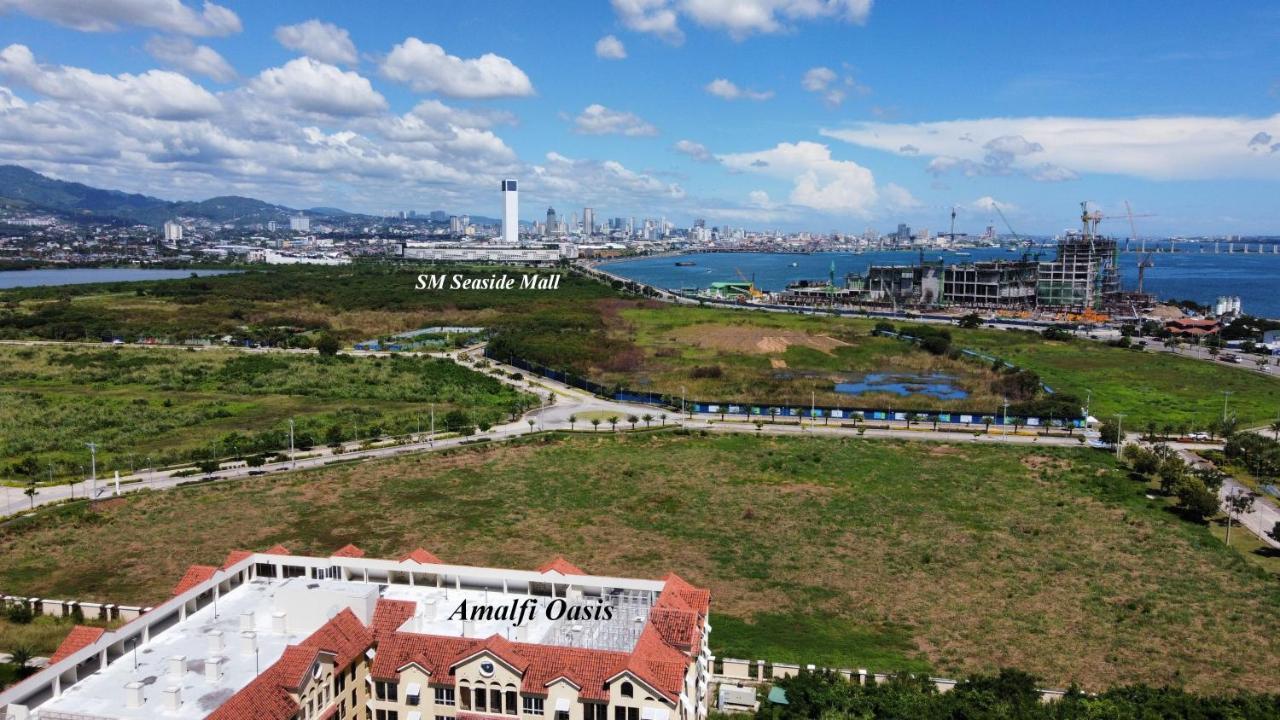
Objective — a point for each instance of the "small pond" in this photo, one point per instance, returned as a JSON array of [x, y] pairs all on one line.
[[937, 385]]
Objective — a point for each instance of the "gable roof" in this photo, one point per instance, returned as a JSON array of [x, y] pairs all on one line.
[[348, 550], [422, 557], [267, 697], [81, 636], [561, 566], [389, 615], [234, 557], [195, 575]]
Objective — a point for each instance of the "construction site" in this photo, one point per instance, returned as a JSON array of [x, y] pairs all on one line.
[[1080, 284]]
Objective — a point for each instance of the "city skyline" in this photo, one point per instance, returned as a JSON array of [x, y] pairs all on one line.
[[788, 114]]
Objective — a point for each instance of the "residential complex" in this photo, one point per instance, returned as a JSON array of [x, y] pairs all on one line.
[[274, 636]]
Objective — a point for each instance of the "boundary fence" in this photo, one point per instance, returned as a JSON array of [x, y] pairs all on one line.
[[773, 411]]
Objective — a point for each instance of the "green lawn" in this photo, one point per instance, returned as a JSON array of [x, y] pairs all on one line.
[[1146, 386], [886, 555], [155, 406]]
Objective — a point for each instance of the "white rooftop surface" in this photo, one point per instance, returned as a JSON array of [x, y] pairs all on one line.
[[307, 604]]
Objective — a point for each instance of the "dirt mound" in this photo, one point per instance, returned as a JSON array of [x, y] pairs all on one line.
[[767, 341]]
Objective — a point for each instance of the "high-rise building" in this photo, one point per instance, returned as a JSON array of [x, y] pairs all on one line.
[[272, 226], [300, 223], [553, 224], [455, 225], [510, 212], [904, 233], [172, 232], [588, 222]]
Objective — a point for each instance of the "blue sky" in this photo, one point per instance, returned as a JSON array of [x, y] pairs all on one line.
[[795, 114]]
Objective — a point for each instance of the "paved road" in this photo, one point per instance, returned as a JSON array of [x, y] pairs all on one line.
[[1261, 519], [569, 402]]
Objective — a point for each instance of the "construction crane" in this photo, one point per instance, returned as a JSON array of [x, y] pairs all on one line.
[[1143, 264], [996, 205], [751, 285]]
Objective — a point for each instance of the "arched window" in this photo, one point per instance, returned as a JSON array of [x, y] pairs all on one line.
[[627, 690]]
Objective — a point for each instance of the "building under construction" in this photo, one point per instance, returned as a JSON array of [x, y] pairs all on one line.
[[995, 284], [1086, 273]]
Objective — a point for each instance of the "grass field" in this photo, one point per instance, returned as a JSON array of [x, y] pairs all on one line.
[[277, 305], [783, 358], [157, 406], [787, 358], [855, 553]]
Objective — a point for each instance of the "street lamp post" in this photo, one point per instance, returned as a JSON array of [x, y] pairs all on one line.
[[93, 465], [1088, 402], [683, 392], [1119, 433], [293, 457], [1225, 394]]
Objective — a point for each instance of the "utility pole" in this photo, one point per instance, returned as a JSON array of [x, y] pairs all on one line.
[[293, 458], [433, 424], [1088, 401], [682, 396], [1119, 433], [1005, 422], [1225, 394], [93, 463]]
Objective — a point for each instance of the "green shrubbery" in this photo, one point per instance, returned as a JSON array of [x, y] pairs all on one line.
[[1009, 695]]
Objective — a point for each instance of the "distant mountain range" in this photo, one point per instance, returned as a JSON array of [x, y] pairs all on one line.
[[25, 189]]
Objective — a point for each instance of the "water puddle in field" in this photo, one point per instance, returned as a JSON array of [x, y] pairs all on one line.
[[936, 385]]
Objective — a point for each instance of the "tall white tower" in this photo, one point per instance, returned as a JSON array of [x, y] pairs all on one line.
[[510, 212]]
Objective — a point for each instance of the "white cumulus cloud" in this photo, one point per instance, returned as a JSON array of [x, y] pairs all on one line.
[[818, 181], [695, 150], [610, 48], [728, 90], [986, 203], [311, 86], [426, 67], [155, 93], [323, 41], [181, 53], [110, 15], [1059, 148], [599, 120], [739, 18]]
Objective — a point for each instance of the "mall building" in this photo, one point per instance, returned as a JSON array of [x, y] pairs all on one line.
[[275, 636]]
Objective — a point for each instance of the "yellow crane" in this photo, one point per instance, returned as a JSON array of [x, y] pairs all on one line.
[[751, 286]]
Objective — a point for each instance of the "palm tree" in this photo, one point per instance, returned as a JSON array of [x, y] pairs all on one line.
[[31, 493], [647, 419], [663, 417], [986, 422], [1151, 430], [613, 422], [773, 414], [595, 424], [531, 422], [633, 420], [572, 419]]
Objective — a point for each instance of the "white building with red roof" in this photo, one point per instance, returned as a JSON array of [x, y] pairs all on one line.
[[276, 636]]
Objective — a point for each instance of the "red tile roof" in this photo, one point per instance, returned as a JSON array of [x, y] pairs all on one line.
[[389, 615], [559, 565], [234, 557], [540, 664], [348, 550], [276, 549], [195, 575], [344, 636], [267, 697], [422, 557], [81, 636]]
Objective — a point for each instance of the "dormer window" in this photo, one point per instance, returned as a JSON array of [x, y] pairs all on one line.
[[627, 690]]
